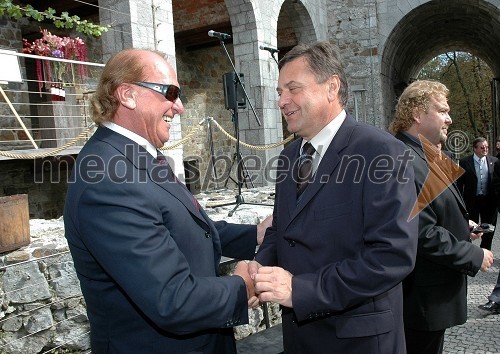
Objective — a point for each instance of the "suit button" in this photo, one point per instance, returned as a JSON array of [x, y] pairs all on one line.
[[291, 243], [207, 234]]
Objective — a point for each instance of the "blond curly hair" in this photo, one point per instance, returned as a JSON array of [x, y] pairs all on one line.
[[416, 96]]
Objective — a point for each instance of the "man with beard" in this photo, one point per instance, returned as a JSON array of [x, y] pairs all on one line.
[[435, 293]]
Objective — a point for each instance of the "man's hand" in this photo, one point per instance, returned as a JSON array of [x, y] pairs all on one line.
[[473, 235], [274, 284], [487, 260], [253, 268], [242, 270], [262, 227], [472, 224]]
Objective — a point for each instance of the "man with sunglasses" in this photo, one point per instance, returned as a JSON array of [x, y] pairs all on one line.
[[476, 187], [145, 252]]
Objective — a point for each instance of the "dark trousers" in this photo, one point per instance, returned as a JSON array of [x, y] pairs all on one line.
[[495, 294], [484, 210], [424, 342]]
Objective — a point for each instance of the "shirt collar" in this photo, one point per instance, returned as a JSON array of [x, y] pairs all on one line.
[[322, 140], [132, 136], [412, 138], [479, 159]]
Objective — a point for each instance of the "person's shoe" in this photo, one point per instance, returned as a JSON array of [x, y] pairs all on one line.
[[490, 306]]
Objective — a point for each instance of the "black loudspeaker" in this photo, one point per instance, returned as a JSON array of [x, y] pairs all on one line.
[[234, 98]]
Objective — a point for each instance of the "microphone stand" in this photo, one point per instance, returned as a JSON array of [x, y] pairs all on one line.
[[271, 51], [212, 154], [239, 162], [272, 55]]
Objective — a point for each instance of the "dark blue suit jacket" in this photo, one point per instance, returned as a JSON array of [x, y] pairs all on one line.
[[348, 244], [147, 259], [435, 293]]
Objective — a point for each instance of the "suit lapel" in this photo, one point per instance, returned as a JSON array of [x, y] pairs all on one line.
[[418, 150], [289, 184], [325, 170], [490, 169], [163, 176], [142, 160], [470, 166]]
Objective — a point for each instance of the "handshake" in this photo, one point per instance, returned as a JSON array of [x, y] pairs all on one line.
[[265, 284]]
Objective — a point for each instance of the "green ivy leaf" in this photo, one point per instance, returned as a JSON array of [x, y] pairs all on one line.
[[35, 14], [59, 23], [6, 4], [50, 13], [65, 16], [15, 12], [64, 21]]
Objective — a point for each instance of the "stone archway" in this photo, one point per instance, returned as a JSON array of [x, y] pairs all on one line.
[[427, 30], [295, 25]]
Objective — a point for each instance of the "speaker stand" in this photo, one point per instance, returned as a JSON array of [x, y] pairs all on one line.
[[237, 81]]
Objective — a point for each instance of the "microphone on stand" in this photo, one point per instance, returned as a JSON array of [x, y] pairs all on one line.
[[219, 35], [269, 49]]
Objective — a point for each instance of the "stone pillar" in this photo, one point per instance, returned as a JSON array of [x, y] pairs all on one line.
[[146, 25], [261, 73]]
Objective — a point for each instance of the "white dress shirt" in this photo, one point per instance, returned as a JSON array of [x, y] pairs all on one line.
[[132, 136], [322, 140]]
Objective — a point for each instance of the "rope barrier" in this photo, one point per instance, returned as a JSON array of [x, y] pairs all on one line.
[[186, 138], [52, 152], [253, 147], [170, 147]]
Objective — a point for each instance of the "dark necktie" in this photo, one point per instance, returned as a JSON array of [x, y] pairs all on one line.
[[162, 160], [305, 167]]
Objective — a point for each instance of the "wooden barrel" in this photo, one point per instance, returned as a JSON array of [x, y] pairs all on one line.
[[14, 222]]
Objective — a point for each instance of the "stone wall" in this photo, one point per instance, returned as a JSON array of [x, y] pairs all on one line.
[[354, 29], [200, 76], [200, 13], [41, 302], [44, 180], [41, 305]]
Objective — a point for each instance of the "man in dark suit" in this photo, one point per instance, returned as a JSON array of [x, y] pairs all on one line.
[[435, 293], [340, 241], [145, 252], [475, 186], [493, 303]]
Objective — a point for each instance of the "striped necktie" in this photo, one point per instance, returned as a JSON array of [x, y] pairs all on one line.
[[162, 160], [305, 167]]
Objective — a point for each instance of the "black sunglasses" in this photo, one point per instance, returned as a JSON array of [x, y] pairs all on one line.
[[171, 92]]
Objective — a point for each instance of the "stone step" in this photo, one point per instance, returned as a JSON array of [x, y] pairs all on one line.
[[268, 341]]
